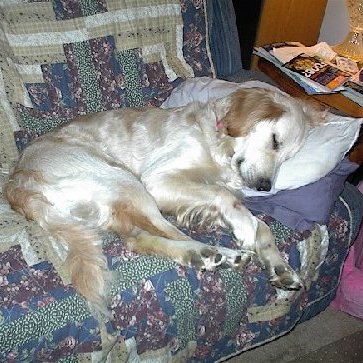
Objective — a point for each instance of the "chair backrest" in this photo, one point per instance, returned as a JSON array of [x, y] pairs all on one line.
[[60, 59], [223, 37]]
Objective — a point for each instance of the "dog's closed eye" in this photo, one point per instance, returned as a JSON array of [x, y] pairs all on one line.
[[275, 143], [239, 162]]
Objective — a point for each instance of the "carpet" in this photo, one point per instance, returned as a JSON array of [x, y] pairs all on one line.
[[346, 350], [330, 337]]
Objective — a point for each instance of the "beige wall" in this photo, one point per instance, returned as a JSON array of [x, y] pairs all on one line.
[[335, 22]]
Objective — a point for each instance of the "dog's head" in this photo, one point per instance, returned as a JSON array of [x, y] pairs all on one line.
[[267, 127]]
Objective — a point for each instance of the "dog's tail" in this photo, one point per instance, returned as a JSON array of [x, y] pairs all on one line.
[[85, 261]]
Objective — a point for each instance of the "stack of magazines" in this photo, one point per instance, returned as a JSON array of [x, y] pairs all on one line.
[[317, 69]]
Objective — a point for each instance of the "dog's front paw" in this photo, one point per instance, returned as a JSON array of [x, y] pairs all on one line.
[[284, 277], [207, 259], [211, 258], [237, 259]]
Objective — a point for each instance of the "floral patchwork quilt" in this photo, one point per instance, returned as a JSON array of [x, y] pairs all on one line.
[[161, 311], [64, 58]]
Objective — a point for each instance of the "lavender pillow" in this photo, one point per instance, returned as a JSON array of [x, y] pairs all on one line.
[[301, 208]]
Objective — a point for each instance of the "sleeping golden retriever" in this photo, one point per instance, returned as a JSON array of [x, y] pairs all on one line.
[[118, 170]]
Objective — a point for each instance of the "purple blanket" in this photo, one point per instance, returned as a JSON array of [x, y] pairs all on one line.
[[301, 208]]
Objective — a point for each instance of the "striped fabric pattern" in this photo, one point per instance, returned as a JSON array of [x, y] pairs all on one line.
[[61, 59]]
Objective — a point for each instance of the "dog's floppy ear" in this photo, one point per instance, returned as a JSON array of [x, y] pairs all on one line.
[[240, 111]]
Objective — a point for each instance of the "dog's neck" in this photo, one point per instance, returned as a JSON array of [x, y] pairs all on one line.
[[211, 122], [220, 109]]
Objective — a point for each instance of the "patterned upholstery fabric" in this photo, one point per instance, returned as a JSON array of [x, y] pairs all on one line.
[[65, 58], [62, 58], [163, 312]]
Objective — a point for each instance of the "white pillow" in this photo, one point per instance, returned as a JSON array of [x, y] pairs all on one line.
[[204, 89], [324, 148]]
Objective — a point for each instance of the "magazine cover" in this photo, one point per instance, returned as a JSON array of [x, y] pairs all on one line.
[[318, 71]]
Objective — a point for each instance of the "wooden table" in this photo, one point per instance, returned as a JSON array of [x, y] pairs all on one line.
[[336, 100]]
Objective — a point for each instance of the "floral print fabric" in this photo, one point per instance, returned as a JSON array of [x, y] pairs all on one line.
[[67, 58], [161, 307], [162, 311]]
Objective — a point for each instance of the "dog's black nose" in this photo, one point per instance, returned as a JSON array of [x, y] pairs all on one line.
[[263, 185]]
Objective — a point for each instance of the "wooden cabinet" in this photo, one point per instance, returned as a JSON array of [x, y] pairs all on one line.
[[290, 20]]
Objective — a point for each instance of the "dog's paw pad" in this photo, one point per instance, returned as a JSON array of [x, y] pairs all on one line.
[[207, 259], [211, 258], [238, 261], [285, 278], [243, 261], [234, 258], [243, 258]]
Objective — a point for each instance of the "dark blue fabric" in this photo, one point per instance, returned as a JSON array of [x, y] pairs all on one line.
[[355, 202], [223, 37], [244, 75]]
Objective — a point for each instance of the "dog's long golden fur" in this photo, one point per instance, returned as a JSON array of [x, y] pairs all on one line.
[[119, 170]]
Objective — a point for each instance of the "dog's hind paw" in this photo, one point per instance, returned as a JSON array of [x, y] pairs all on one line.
[[284, 277]]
